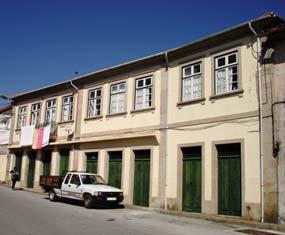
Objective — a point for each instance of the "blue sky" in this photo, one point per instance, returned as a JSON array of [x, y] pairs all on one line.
[[46, 41]]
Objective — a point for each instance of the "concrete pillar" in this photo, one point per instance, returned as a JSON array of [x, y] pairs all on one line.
[[38, 169], [103, 164], [160, 200], [126, 167], [55, 160], [71, 160], [76, 160], [81, 161], [24, 169]]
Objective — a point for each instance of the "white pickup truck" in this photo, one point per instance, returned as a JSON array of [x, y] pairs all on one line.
[[86, 187]]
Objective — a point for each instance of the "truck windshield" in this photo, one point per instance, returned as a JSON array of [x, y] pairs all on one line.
[[92, 179]]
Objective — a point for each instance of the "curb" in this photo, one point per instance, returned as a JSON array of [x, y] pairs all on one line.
[[215, 218]]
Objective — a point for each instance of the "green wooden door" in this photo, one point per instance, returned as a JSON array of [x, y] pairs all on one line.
[[141, 178], [31, 170], [18, 161], [46, 162], [115, 168], [91, 162], [192, 179], [64, 162], [229, 179]]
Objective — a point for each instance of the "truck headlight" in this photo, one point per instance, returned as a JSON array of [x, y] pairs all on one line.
[[97, 193], [121, 194]]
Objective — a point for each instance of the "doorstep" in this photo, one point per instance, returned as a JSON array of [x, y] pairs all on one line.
[[217, 218]]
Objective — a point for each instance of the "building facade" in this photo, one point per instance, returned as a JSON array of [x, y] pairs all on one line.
[[177, 130]]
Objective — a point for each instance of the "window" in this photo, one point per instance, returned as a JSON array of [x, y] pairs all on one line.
[[35, 114], [22, 116], [75, 179], [117, 98], [50, 117], [143, 93], [67, 179], [94, 103], [5, 122], [226, 73], [191, 82], [67, 108]]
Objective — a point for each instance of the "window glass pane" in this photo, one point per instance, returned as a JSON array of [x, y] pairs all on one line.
[[140, 83], [187, 71], [122, 87], [197, 68], [114, 88], [232, 58], [221, 61], [98, 92], [91, 94], [148, 81]]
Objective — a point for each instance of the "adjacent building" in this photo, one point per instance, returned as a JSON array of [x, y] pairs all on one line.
[[178, 130], [5, 124]]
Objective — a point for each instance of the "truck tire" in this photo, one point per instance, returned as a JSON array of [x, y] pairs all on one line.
[[52, 196], [88, 201]]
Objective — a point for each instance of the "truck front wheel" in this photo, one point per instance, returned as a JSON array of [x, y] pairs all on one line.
[[52, 196], [88, 201]]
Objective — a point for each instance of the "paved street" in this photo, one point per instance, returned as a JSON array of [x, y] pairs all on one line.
[[26, 213]]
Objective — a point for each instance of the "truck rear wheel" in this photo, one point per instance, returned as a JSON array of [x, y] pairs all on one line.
[[52, 196], [88, 201]]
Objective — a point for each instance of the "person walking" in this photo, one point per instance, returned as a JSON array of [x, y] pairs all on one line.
[[14, 177]]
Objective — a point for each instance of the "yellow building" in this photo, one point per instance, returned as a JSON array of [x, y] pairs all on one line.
[[176, 130]]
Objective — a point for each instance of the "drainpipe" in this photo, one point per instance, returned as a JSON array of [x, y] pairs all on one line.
[[166, 127], [75, 87], [258, 59]]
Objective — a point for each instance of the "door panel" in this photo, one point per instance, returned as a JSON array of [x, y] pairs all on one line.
[[64, 162], [229, 179], [31, 170], [192, 179], [91, 162], [142, 178], [18, 162], [46, 162], [115, 168]]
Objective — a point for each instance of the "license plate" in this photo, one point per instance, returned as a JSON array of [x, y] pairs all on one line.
[[111, 198]]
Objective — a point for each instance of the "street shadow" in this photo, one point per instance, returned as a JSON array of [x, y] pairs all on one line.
[[80, 204]]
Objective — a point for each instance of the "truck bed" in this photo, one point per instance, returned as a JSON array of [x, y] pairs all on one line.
[[49, 182]]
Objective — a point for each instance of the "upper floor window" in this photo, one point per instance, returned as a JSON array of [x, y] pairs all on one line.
[[94, 102], [143, 96], [191, 82], [117, 98], [50, 117], [22, 117], [226, 73], [35, 114], [5, 122], [67, 108]]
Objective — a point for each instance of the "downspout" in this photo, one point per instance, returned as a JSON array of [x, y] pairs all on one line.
[[166, 127], [261, 131]]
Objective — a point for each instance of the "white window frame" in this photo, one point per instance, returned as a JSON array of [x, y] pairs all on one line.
[[94, 102], [117, 98], [146, 95], [50, 111], [22, 117], [191, 77], [35, 114], [227, 68], [67, 108]]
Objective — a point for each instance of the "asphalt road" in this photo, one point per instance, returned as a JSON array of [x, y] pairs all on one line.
[[27, 213]]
